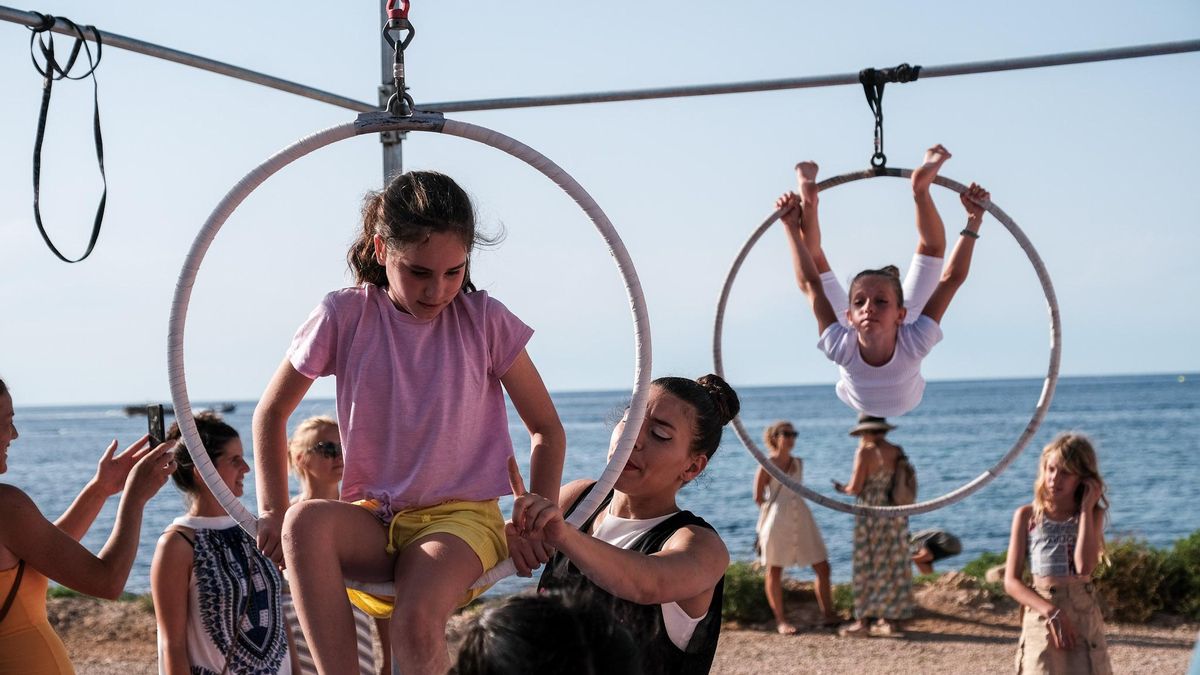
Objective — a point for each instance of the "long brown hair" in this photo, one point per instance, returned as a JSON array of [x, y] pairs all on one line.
[[410, 208]]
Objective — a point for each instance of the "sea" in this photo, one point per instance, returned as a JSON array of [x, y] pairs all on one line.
[[1146, 429]]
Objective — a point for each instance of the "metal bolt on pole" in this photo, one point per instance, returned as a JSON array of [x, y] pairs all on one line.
[[392, 141]]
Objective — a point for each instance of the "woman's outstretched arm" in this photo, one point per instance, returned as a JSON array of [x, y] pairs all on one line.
[[110, 477], [56, 555]]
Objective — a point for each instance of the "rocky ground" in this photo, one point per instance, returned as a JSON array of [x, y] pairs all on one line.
[[960, 628]]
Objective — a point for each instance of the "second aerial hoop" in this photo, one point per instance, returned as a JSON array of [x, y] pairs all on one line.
[[1035, 420]]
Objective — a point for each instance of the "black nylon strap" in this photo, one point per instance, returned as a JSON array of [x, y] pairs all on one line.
[[44, 41], [873, 82], [12, 593]]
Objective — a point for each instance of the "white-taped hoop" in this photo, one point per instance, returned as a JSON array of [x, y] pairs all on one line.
[[375, 123], [984, 478]]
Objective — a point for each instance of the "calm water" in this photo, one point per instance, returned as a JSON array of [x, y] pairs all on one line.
[[1146, 429]]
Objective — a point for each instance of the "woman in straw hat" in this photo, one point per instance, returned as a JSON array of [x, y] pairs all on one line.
[[882, 572]]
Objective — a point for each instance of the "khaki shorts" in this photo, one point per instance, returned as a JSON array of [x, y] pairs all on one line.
[[1077, 600], [478, 524]]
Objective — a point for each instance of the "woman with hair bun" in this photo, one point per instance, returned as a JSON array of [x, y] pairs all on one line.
[[661, 568], [217, 600]]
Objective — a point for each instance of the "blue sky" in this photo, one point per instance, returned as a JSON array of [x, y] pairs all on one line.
[[1097, 163]]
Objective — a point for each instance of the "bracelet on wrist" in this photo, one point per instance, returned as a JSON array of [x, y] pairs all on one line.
[[968, 233]]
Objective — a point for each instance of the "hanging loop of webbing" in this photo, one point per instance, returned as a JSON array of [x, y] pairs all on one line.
[[873, 81], [43, 40], [398, 33]]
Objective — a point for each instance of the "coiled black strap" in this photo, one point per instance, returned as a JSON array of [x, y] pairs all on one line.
[[43, 40]]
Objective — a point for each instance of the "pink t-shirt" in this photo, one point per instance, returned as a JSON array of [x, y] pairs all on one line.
[[419, 402]]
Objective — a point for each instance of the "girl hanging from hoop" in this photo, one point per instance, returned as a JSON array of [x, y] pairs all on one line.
[[422, 362], [876, 339]]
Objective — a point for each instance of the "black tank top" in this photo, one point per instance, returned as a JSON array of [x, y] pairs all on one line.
[[645, 622]]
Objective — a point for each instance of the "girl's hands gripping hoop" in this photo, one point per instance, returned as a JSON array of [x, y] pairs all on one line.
[[528, 552]]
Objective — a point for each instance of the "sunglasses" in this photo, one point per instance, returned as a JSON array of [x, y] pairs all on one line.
[[789, 434], [327, 449]]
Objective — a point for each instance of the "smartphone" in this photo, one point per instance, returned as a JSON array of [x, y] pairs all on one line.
[[155, 424]]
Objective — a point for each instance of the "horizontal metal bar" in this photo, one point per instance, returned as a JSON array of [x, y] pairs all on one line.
[[817, 81], [32, 19]]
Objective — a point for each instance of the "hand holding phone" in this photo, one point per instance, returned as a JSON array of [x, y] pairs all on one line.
[[840, 487], [155, 424]]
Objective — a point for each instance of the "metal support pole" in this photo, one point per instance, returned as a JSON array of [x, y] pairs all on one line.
[[392, 141]]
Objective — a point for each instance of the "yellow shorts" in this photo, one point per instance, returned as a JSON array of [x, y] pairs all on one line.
[[479, 524]]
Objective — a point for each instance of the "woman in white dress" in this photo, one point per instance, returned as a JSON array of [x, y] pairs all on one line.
[[787, 533]]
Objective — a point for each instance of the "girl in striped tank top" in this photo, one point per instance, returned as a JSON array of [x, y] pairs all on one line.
[[1062, 535]]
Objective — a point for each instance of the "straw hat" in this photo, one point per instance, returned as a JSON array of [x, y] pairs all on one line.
[[871, 423]]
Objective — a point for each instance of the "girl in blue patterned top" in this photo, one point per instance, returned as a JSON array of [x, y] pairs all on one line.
[[216, 597]]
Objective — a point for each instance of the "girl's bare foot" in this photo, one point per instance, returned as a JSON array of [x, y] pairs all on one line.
[[856, 629], [829, 620], [923, 177], [806, 174], [884, 628], [785, 628]]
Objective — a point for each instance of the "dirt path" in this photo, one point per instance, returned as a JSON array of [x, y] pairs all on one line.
[[958, 630]]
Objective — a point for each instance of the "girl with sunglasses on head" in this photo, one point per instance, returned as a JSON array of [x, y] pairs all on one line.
[[787, 533], [315, 456]]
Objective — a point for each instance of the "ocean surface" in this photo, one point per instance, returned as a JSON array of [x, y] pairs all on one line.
[[1146, 428]]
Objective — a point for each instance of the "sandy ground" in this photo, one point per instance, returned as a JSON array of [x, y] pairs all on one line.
[[958, 630]]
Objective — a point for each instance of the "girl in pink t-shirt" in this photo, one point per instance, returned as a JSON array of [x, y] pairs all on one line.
[[422, 362]]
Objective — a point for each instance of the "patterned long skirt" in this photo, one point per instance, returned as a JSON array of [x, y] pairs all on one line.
[[882, 568]]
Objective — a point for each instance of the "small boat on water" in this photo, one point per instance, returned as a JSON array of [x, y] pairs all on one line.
[[133, 410]]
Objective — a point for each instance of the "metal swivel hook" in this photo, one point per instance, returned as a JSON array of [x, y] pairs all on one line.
[[398, 33]]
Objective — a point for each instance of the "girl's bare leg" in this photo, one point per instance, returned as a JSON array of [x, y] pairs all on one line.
[[824, 594], [432, 576], [810, 224], [931, 232], [774, 587], [324, 542]]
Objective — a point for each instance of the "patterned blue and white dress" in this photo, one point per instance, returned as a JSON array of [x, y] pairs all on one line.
[[235, 615]]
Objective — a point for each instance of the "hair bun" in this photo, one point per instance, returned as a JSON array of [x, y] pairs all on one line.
[[891, 271], [724, 398]]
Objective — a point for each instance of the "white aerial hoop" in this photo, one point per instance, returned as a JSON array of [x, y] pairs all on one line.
[[372, 123], [984, 478]]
